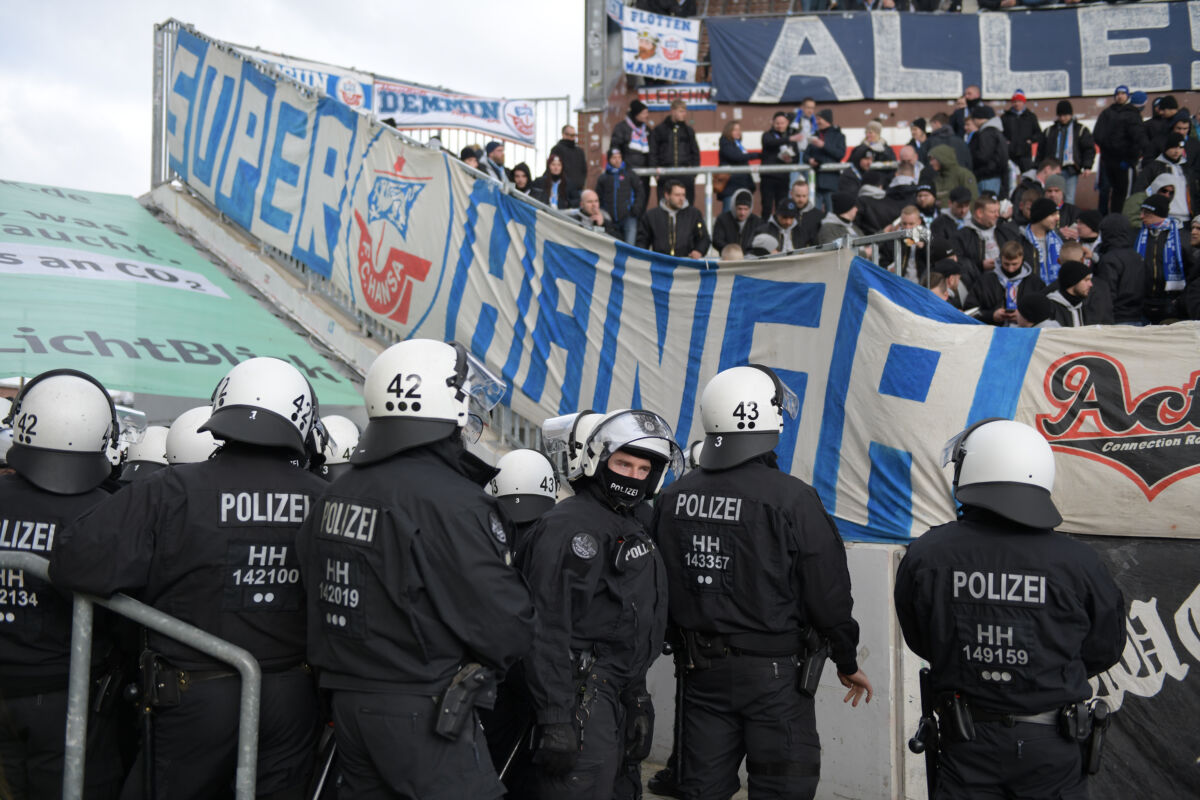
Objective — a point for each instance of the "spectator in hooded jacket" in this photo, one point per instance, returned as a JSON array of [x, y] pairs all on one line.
[[632, 137], [572, 155], [674, 227], [1023, 131], [1121, 138], [1123, 269], [621, 196], [731, 151], [809, 221], [591, 216], [1070, 141], [948, 173], [827, 147], [738, 225], [989, 149], [981, 239], [1160, 123], [778, 234], [522, 178], [1172, 162], [940, 132], [1070, 294], [673, 144], [553, 188], [470, 156]]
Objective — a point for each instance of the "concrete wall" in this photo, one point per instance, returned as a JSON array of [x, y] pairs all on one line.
[[864, 749]]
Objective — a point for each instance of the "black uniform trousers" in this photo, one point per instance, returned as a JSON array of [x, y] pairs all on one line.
[[195, 743], [748, 707], [601, 718], [388, 750], [1033, 762], [774, 190], [32, 731]]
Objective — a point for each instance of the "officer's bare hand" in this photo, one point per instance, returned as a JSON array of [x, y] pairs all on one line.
[[858, 684]]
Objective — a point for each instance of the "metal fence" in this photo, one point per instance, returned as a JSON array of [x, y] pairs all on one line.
[[79, 680]]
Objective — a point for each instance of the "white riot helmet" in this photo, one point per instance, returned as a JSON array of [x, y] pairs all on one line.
[[264, 401], [186, 442], [421, 391], [566, 436], [742, 411], [639, 433], [1006, 467], [5, 431], [63, 422], [146, 456], [526, 486], [693, 454], [339, 445]]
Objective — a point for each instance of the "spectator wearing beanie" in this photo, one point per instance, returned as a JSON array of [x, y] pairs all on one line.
[[1087, 226], [1167, 255], [828, 146], [737, 225], [673, 144], [1070, 141], [470, 156], [1042, 233], [1121, 138], [840, 222], [780, 234], [1160, 123], [1071, 294], [1036, 311], [989, 149], [493, 162], [632, 137], [621, 195], [1023, 131], [1172, 163], [919, 130]]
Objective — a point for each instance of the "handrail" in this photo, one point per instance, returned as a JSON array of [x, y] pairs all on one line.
[[152, 618]]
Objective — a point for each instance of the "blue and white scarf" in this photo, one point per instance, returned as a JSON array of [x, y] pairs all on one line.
[[1047, 253], [1172, 253], [639, 137]]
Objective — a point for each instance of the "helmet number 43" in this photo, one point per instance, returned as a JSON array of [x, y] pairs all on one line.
[[747, 410]]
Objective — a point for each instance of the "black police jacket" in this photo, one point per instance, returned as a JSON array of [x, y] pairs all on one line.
[[408, 573], [211, 543], [599, 587], [751, 550], [1015, 618], [35, 618]]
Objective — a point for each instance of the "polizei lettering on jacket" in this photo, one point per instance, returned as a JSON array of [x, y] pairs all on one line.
[[1000, 587], [280, 508], [703, 506], [25, 534], [349, 521]]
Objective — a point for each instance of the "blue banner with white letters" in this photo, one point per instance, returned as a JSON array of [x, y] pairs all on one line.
[[885, 371], [894, 56]]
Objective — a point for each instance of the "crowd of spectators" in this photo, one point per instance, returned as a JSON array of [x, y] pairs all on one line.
[[989, 201]]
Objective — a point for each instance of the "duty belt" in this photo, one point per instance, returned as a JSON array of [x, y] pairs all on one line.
[[1009, 720], [719, 645]]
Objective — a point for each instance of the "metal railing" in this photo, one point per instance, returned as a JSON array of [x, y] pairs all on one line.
[[752, 169], [79, 679]]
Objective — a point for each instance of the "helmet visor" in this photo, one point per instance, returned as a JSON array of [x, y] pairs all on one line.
[[642, 430], [952, 451], [133, 424], [556, 433], [789, 401], [485, 388]]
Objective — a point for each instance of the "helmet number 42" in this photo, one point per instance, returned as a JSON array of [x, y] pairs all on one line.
[[412, 381]]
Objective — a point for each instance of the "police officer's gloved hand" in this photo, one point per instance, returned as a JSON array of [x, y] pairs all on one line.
[[558, 748], [639, 726]]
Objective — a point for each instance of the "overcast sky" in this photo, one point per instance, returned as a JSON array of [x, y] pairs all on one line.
[[76, 75]]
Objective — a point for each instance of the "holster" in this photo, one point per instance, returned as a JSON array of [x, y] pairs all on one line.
[[702, 648], [160, 682], [1094, 747], [955, 718], [472, 686], [1075, 722], [813, 654]]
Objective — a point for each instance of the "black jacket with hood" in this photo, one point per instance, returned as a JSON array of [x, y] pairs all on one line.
[[1121, 268]]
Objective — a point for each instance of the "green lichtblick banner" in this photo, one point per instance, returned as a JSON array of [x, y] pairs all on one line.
[[93, 282]]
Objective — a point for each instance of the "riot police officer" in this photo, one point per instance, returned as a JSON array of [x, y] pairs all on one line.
[[146, 456], [525, 487], [187, 440], [341, 441], [63, 422], [1012, 617], [410, 596], [600, 592], [213, 543], [753, 560]]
